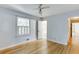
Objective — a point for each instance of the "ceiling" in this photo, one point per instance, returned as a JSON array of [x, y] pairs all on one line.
[[53, 9]]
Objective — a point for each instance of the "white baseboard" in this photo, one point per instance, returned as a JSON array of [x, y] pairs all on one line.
[[16, 44], [56, 41]]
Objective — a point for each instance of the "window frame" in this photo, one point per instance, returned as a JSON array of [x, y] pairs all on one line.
[[17, 30]]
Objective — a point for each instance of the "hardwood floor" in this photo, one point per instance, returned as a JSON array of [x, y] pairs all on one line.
[[41, 47]]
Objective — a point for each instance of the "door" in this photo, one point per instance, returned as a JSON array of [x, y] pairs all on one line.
[[42, 29]]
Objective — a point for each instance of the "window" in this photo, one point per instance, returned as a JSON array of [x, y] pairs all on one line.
[[22, 26]]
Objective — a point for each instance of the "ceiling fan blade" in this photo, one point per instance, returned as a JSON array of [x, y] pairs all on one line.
[[40, 8], [45, 7]]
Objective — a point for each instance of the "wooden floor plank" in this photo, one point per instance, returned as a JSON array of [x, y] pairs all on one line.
[[41, 47]]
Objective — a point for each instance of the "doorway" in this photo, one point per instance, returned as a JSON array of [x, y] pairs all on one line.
[[73, 32], [42, 29]]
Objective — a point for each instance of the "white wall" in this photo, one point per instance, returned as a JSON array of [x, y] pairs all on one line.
[[8, 27], [58, 26]]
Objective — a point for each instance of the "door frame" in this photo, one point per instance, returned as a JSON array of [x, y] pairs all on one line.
[[70, 21]]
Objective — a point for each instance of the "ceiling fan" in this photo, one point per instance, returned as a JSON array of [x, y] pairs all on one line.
[[41, 8]]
